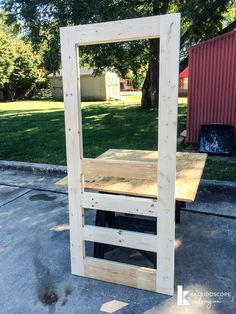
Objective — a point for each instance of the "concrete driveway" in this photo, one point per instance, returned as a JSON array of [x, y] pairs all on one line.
[[35, 262]]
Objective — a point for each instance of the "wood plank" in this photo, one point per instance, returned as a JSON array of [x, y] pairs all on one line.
[[189, 168], [119, 273], [115, 31], [119, 168], [167, 135], [120, 203], [74, 144], [147, 155], [130, 239]]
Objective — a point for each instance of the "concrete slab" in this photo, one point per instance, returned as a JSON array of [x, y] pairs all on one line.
[[10, 193], [35, 261], [30, 180], [215, 199]]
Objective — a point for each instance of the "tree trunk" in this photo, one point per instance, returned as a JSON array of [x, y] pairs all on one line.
[[8, 94], [150, 89]]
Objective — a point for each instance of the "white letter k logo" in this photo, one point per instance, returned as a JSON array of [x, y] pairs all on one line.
[[181, 296]]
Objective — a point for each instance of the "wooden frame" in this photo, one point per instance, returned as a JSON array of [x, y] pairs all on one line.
[[167, 27]]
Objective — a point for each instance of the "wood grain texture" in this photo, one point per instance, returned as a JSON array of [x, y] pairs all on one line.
[[128, 169], [120, 204], [130, 239], [167, 135], [115, 31], [74, 145], [189, 168], [167, 27], [119, 273]]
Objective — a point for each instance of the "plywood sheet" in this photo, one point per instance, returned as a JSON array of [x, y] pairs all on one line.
[[188, 174]]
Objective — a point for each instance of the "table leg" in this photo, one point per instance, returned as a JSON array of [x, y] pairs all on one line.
[[178, 206], [103, 219]]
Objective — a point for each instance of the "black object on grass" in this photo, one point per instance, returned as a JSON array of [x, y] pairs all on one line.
[[216, 139]]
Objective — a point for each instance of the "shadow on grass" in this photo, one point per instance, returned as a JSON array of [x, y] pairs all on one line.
[[118, 127], [33, 136], [38, 136]]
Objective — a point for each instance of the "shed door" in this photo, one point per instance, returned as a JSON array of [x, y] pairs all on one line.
[[112, 85]]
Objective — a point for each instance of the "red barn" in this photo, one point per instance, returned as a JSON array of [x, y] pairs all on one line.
[[183, 83], [212, 84]]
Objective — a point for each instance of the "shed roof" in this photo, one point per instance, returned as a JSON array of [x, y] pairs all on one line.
[[83, 71], [184, 73], [212, 40]]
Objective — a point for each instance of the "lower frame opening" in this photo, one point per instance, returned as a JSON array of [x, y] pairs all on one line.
[[121, 254]]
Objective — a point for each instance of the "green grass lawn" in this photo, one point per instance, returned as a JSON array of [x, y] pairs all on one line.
[[34, 131]]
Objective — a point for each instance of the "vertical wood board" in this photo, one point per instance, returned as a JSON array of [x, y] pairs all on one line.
[[74, 144], [167, 134]]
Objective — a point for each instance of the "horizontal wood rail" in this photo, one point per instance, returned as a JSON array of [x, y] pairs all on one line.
[[115, 31], [119, 168], [120, 204], [119, 273], [130, 239]]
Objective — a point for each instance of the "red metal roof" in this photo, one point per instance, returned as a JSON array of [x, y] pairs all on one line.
[[184, 73], [212, 84]]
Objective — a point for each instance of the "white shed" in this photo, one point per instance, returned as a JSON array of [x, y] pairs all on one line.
[[101, 87]]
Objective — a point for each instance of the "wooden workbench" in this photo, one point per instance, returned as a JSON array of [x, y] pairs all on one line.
[[188, 174]]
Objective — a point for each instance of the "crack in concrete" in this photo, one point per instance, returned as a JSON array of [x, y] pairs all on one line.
[[12, 200]]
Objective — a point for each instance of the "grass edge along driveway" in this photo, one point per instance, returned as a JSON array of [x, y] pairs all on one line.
[[33, 131]]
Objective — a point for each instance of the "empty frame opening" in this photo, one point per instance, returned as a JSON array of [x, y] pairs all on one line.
[[141, 258], [112, 77]]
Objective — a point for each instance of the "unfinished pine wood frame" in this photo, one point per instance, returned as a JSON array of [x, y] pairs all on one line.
[[161, 280]]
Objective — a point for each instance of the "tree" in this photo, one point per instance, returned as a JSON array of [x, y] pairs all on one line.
[[6, 53], [201, 19], [27, 71], [20, 67]]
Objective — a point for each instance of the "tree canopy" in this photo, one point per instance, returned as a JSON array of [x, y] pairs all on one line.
[[20, 66], [200, 20], [6, 53]]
